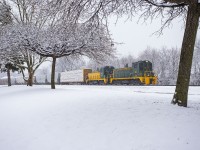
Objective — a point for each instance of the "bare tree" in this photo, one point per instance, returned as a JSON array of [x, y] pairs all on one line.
[[24, 13], [84, 40], [5, 19]]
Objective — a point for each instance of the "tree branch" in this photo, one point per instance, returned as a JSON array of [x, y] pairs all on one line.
[[166, 5]]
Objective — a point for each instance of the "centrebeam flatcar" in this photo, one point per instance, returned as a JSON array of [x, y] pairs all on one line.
[[74, 76]]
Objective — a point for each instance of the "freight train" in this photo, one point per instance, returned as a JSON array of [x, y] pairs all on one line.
[[140, 73]]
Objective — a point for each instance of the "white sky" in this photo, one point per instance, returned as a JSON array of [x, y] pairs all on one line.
[[137, 36]]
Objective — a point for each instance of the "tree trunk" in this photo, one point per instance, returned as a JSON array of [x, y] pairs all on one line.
[[30, 79], [53, 73], [8, 75], [182, 84]]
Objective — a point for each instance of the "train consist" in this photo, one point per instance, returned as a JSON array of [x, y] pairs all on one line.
[[140, 73]]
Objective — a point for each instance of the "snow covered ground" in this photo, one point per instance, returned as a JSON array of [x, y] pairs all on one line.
[[97, 118]]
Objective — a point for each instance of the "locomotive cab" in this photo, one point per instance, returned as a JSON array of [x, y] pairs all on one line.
[[142, 67], [106, 71]]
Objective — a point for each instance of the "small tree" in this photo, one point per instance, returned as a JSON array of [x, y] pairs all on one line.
[[13, 35], [84, 40], [14, 48], [5, 19]]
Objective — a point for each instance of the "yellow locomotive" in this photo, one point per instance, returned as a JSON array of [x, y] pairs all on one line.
[[140, 73]]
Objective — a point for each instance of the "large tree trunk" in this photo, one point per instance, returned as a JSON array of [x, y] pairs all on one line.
[[182, 84], [8, 75], [53, 73]]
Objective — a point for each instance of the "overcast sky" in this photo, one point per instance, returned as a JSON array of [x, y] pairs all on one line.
[[137, 36]]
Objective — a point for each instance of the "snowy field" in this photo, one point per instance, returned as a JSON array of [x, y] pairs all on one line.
[[97, 118]]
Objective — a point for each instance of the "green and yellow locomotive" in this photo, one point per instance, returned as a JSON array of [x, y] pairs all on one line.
[[140, 73]]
